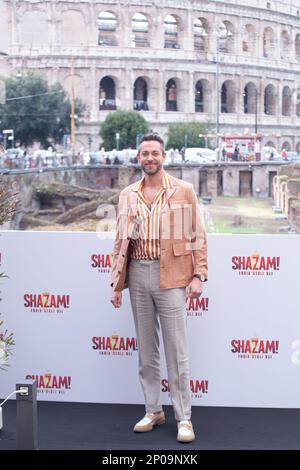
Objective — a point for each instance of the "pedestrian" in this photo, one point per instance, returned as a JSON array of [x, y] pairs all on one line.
[[160, 253], [236, 153], [284, 154], [224, 153]]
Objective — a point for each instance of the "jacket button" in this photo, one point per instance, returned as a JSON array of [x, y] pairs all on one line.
[[123, 256], [119, 272]]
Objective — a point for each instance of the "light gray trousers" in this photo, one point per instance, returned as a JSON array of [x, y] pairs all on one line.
[[154, 307]]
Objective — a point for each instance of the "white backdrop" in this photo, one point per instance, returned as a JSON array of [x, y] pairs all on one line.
[[244, 333]]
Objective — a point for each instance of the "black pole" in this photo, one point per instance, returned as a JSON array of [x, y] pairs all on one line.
[[27, 415]]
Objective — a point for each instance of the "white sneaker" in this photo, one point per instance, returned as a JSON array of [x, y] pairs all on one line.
[[185, 431], [149, 421]]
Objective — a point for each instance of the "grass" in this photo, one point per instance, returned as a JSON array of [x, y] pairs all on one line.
[[254, 214]]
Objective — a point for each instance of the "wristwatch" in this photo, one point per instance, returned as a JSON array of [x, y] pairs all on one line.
[[202, 277]]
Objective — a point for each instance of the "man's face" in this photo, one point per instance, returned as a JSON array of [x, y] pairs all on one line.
[[151, 157]]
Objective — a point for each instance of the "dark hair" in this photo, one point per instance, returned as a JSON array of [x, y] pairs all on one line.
[[152, 136]]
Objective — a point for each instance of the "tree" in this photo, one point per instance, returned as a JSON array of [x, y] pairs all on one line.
[[8, 206], [8, 200], [128, 124], [187, 135], [43, 113]]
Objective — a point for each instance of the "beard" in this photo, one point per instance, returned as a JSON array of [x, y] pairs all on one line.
[[152, 171]]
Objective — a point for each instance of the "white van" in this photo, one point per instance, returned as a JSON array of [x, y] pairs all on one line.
[[200, 155]]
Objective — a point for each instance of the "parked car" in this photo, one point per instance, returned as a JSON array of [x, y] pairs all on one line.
[[173, 157], [200, 155], [97, 157], [208, 155]]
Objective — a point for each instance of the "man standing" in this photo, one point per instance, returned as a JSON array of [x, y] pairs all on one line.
[[160, 253]]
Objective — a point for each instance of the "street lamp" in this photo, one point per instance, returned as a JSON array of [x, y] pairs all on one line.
[[118, 139], [221, 32]]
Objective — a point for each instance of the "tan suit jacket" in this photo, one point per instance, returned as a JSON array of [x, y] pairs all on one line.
[[183, 246]]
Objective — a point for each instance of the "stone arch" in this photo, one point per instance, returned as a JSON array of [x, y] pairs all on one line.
[[172, 28], [250, 98], [270, 100], [172, 89], [270, 143], [34, 35], [201, 34], [203, 96], [107, 27], [228, 99], [73, 20], [269, 43], [286, 101], [249, 39], [297, 47], [285, 45], [140, 94], [140, 30], [287, 146], [107, 93], [227, 39]]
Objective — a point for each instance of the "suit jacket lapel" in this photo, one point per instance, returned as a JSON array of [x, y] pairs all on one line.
[[132, 208], [169, 193]]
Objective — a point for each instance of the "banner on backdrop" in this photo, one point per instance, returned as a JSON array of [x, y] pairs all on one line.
[[57, 324]]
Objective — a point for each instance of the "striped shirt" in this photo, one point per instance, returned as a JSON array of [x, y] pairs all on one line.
[[145, 244]]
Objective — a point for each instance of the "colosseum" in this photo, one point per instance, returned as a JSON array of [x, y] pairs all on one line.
[[167, 59]]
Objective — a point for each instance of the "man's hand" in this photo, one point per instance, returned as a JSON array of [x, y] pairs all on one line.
[[194, 289], [116, 299]]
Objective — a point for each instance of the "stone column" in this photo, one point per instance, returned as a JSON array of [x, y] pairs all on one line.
[[157, 33], [261, 182], [239, 110], [127, 98], [231, 181], [123, 91], [191, 175], [278, 111], [294, 102], [238, 43], [191, 94], [125, 30], [278, 44], [260, 36], [212, 183], [14, 25], [161, 91], [187, 41], [93, 27], [260, 98], [94, 95], [125, 176]]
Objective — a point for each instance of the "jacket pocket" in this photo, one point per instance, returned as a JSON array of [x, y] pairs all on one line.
[[179, 204], [182, 249]]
